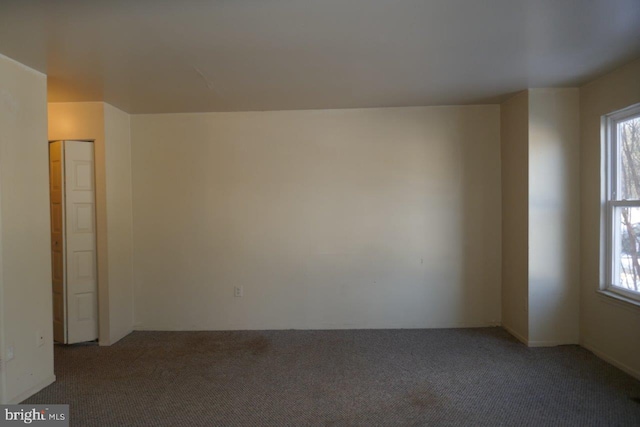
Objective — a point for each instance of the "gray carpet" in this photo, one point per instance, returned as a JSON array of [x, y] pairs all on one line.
[[434, 377]]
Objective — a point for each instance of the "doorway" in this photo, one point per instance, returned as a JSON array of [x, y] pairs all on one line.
[[73, 241]]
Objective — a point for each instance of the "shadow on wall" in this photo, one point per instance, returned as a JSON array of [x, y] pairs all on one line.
[[481, 240]]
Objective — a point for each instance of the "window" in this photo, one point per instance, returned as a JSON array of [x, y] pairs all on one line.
[[623, 202]]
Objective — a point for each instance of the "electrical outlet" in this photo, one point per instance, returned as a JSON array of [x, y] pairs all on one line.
[[9, 353], [39, 339], [237, 291]]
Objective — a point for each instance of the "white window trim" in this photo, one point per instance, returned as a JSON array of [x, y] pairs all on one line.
[[610, 122]]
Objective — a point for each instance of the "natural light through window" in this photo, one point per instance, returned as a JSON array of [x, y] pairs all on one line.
[[623, 204]]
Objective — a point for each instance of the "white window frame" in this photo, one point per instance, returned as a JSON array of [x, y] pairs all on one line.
[[612, 183]]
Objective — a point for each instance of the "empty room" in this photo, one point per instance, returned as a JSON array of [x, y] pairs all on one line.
[[320, 213]]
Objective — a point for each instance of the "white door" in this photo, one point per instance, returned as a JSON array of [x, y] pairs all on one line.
[[80, 231], [56, 187]]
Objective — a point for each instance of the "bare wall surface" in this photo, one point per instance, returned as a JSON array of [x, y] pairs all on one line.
[[608, 327], [372, 218], [514, 139], [117, 130], [554, 216], [25, 257]]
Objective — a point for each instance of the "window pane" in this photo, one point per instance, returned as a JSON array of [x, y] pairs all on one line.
[[627, 249], [629, 137]]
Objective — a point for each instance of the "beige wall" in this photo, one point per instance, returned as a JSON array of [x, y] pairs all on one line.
[[554, 216], [370, 218], [514, 129], [117, 128], [607, 327], [109, 127], [541, 218], [25, 258]]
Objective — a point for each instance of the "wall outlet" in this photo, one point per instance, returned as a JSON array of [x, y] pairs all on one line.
[[9, 353], [39, 339], [238, 291]]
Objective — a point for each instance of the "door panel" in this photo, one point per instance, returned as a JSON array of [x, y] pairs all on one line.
[[82, 218], [56, 179], [82, 282]]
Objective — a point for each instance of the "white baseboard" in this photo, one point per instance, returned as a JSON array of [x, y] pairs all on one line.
[[321, 327], [528, 343], [118, 338], [549, 343], [604, 356], [33, 390], [113, 340], [517, 335]]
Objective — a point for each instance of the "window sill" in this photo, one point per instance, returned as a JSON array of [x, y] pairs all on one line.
[[619, 299]]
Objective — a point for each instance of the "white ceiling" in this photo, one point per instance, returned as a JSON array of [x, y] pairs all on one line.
[[149, 56]]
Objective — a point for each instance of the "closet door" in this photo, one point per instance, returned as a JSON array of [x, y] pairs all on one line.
[[81, 272]]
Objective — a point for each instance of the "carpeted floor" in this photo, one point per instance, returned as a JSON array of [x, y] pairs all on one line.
[[468, 377]]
